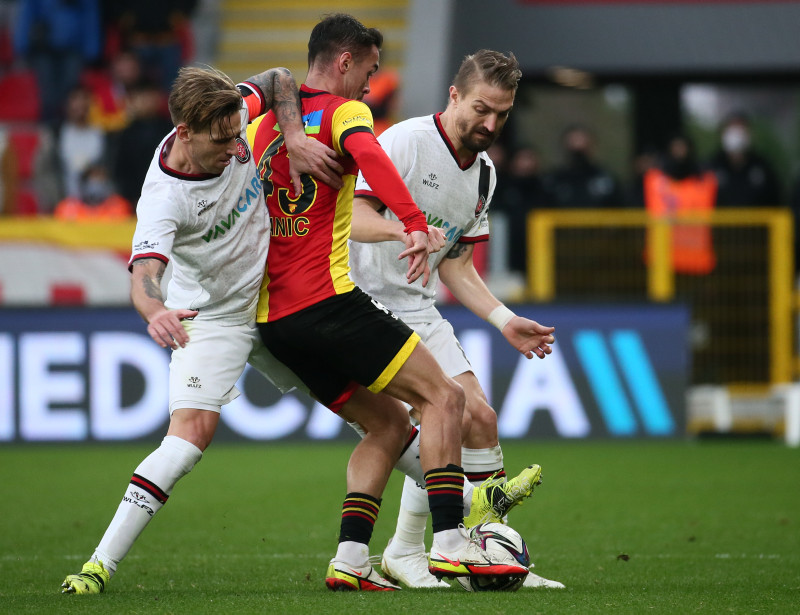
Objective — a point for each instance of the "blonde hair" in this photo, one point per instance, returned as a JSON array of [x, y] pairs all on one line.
[[491, 67], [203, 97]]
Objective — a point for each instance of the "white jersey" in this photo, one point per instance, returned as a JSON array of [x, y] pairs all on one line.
[[214, 228], [454, 196]]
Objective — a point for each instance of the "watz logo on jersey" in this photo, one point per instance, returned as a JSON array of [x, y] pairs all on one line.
[[242, 151]]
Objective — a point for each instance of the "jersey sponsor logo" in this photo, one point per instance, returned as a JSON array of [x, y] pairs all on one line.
[[290, 226], [452, 232], [250, 197], [430, 181], [357, 118], [242, 151]]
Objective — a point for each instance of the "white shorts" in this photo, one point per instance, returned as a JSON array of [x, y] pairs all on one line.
[[441, 340], [204, 373]]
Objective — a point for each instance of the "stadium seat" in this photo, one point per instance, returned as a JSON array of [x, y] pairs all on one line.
[[24, 143], [19, 97]]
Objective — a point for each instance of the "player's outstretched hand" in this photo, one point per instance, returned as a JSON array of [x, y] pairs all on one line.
[[309, 156], [436, 239], [417, 250], [166, 329], [529, 337]]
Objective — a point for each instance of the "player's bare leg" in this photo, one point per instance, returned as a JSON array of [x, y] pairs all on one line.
[[387, 431], [421, 383]]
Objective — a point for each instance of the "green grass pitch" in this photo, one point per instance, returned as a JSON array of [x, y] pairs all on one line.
[[629, 527]]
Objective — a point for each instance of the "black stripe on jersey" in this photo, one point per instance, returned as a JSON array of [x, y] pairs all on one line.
[[351, 131], [483, 182], [483, 188]]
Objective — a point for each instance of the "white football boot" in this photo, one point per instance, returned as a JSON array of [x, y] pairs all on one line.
[[410, 569], [534, 580]]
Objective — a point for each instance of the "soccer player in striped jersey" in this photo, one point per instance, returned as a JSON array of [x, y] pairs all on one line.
[[350, 352]]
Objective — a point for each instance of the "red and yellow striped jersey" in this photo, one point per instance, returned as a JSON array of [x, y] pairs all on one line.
[[308, 252]]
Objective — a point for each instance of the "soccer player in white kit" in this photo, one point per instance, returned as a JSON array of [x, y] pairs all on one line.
[[442, 160], [202, 208]]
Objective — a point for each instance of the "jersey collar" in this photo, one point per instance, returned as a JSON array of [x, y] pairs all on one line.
[[463, 165], [162, 156]]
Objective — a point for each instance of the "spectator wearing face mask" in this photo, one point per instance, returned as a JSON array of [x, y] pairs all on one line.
[[745, 178], [97, 199]]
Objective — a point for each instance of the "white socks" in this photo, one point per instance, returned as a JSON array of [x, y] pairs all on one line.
[[409, 536], [481, 460], [147, 492]]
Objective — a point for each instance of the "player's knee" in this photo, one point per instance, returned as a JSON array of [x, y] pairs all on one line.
[[483, 417], [398, 423], [194, 426], [455, 399]]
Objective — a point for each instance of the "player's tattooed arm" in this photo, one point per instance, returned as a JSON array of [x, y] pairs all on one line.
[[280, 95], [151, 277], [306, 156], [459, 250], [146, 276], [163, 325]]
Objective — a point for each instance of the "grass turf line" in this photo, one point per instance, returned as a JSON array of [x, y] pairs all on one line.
[[629, 527]]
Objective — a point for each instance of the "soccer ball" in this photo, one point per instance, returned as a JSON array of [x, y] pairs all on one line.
[[505, 544]]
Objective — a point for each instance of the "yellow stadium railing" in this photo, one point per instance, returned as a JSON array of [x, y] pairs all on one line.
[[626, 254]]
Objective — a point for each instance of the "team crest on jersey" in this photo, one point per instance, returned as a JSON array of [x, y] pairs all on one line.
[[481, 204], [242, 151]]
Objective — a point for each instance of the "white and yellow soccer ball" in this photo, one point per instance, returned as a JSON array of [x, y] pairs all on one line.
[[506, 545]]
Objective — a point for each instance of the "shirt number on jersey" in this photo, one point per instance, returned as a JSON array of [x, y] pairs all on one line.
[[288, 205]]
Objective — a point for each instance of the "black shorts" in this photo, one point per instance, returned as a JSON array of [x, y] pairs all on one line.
[[339, 343]]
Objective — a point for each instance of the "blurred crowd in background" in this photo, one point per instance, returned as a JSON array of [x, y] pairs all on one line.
[[83, 91], [84, 87]]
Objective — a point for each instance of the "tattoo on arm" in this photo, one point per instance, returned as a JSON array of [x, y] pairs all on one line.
[[151, 284], [152, 289], [280, 93], [457, 250]]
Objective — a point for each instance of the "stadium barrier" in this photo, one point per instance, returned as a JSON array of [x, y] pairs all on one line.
[[742, 301], [49, 262], [94, 374]]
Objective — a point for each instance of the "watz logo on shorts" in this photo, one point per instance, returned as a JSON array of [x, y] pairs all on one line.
[[242, 151]]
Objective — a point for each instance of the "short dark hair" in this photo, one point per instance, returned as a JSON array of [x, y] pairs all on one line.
[[489, 66], [338, 33]]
